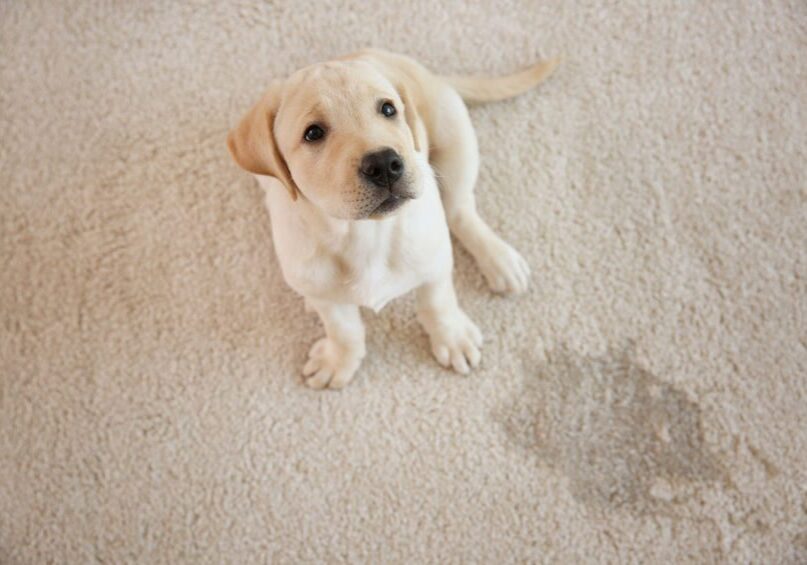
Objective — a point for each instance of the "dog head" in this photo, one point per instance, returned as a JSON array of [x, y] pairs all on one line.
[[340, 134]]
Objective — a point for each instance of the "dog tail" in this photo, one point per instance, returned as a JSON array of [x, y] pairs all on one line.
[[490, 89]]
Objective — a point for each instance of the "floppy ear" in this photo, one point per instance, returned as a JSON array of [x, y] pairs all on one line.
[[252, 143], [413, 120]]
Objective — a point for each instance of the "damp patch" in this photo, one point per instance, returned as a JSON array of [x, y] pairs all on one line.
[[623, 437]]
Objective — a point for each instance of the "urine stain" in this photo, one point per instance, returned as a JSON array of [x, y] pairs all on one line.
[[799, 549], [624, 438]]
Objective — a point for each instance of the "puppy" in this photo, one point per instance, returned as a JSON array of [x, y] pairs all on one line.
[[367, 162]]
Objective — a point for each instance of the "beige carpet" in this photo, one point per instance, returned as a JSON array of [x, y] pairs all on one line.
[[645, 402]]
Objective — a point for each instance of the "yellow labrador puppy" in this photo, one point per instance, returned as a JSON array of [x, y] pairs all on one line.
[[367, 161]]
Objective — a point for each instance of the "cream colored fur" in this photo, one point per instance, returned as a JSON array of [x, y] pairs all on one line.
[[334, 250]]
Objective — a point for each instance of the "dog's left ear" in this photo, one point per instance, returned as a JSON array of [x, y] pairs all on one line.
[[413, 120], [253, 146]]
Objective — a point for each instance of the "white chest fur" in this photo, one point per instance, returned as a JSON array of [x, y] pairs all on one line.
[[365, 262]]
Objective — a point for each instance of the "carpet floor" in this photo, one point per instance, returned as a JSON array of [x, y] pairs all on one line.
[[645, 402]]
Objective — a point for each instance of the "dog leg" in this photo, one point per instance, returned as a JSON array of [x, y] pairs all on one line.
[[455, 339], [456, 160], [334, 359]]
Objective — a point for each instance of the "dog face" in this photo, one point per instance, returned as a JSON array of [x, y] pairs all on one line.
[[339, 133]]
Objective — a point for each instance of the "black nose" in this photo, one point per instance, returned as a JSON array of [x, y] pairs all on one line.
[[382, 168]]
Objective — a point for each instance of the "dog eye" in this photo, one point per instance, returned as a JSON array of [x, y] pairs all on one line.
[[314, 133], [388, 109]]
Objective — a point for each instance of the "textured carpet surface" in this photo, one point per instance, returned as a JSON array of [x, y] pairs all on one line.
[[646, 401]]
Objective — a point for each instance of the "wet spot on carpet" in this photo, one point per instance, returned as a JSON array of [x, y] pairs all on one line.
[[622, 436]]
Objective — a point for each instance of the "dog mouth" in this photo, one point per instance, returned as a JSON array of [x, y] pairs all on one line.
[[390, 204]]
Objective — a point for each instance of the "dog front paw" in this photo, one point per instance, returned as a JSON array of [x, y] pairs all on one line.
[[455, 341], [331, 364], [504, 268]]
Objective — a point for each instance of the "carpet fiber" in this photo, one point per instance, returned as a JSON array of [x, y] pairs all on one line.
[[646, 401]]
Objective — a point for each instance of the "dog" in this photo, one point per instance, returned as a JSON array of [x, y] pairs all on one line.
[[349, 154]]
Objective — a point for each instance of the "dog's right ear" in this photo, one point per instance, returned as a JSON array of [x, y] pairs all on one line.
[[413, 119], [252, 143]]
